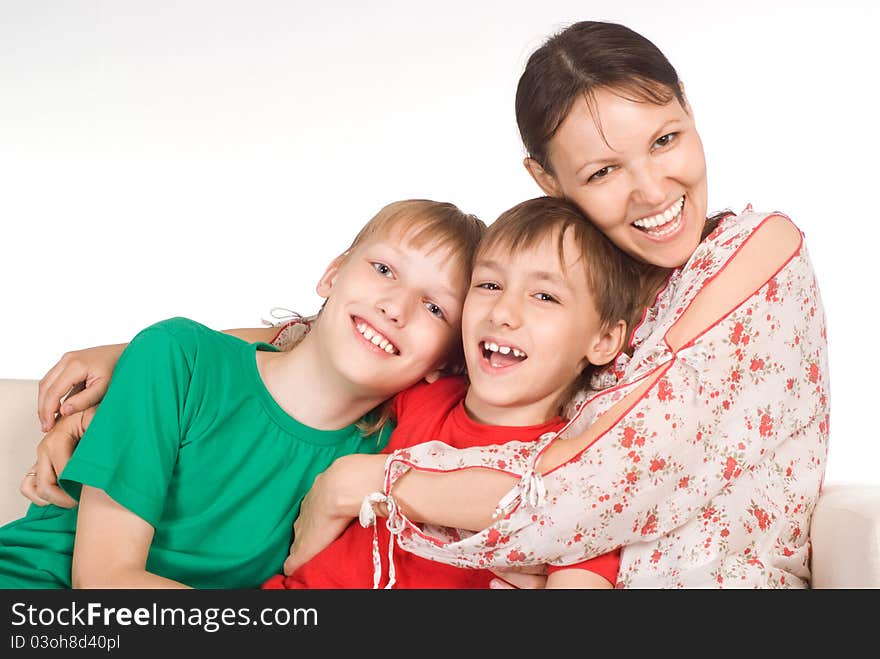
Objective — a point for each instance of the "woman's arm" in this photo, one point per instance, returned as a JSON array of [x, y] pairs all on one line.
[[466, 498], [74, 386], [80, 378], [112, 545]]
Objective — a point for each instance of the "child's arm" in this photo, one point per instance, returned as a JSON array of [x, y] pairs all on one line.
[[111, 547], [577, 578]]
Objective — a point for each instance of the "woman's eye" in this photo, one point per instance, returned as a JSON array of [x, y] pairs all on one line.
[[382, 269], [545, 297], [660, 142], [434, 310], [602, 173]]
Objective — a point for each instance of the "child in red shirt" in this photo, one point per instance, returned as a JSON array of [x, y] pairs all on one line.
[[550, 299]]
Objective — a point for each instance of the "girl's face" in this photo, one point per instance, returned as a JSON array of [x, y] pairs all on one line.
[[637, 171], [392, 316]]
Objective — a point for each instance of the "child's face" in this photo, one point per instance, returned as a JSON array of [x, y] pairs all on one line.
[[392, 316], [528, 327]]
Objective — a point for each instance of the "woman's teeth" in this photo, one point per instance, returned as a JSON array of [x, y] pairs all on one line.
[[374, 337], [662, 223]]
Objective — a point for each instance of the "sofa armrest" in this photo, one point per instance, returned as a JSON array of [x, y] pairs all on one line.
[[19, 434], [845, 534]]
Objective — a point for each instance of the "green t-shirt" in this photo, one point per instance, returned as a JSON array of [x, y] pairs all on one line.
[[190, 440]]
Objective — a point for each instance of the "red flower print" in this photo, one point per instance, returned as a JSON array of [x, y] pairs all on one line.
[[766, 428], [729, 467], [515, 555], [628, 434], [502, 464], [725, 533], [762, 517], [772, 289], [618, 508], [736, 335], [650, 526], [656, 556], [493, 537], [657, 465], [757, 364], [683, 483], [814, 373], [631, 477], [664, 391]]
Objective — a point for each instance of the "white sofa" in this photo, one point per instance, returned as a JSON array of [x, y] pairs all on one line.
[[845, 530]]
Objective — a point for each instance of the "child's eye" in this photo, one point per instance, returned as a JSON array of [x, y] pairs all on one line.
[[545, 297], [660, 142], [489, 286], [434, 310], [382, 269]]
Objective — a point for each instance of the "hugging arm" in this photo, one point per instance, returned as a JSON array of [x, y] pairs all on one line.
[[67, 399], [80, 378], [436, 491]]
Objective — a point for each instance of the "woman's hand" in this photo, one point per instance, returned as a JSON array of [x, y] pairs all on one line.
[[40, 485], [332, 502], [82, 376]]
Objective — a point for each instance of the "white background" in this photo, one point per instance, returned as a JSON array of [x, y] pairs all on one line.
[[207, 158]]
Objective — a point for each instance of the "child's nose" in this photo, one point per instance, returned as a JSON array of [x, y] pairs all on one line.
[[393, 310], [504, 312]]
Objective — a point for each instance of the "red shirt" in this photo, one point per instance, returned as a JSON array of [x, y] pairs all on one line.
[[423, 412]]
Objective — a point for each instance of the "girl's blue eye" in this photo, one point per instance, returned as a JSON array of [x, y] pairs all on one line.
[[434, 310], [382, 269]]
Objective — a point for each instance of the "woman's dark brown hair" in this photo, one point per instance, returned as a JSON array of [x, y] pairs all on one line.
[[576, 62]]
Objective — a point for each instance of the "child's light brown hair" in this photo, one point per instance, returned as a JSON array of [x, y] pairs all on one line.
[[613, 277]]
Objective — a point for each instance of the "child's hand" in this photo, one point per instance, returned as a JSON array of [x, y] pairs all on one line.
[[40, 484], [82, 375]]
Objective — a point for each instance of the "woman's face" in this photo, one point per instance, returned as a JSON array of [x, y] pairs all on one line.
[[637, 171]]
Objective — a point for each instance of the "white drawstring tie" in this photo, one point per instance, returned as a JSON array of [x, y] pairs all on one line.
[[367, 517]]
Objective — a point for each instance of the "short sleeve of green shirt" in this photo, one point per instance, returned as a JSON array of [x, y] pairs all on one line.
[[130, 447]]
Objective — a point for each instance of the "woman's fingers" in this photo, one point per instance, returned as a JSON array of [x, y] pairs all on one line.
[[82, 398], [56, 384], [40, 484], [28, 487]]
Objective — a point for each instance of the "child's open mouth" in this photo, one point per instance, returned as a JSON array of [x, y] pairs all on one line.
[[501, 355], [374, 336]]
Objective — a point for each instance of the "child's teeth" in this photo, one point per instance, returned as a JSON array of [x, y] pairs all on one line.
[[504, 350], [376, 340]]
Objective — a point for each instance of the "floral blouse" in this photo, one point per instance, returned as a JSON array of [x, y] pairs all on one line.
[[708, 480]]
